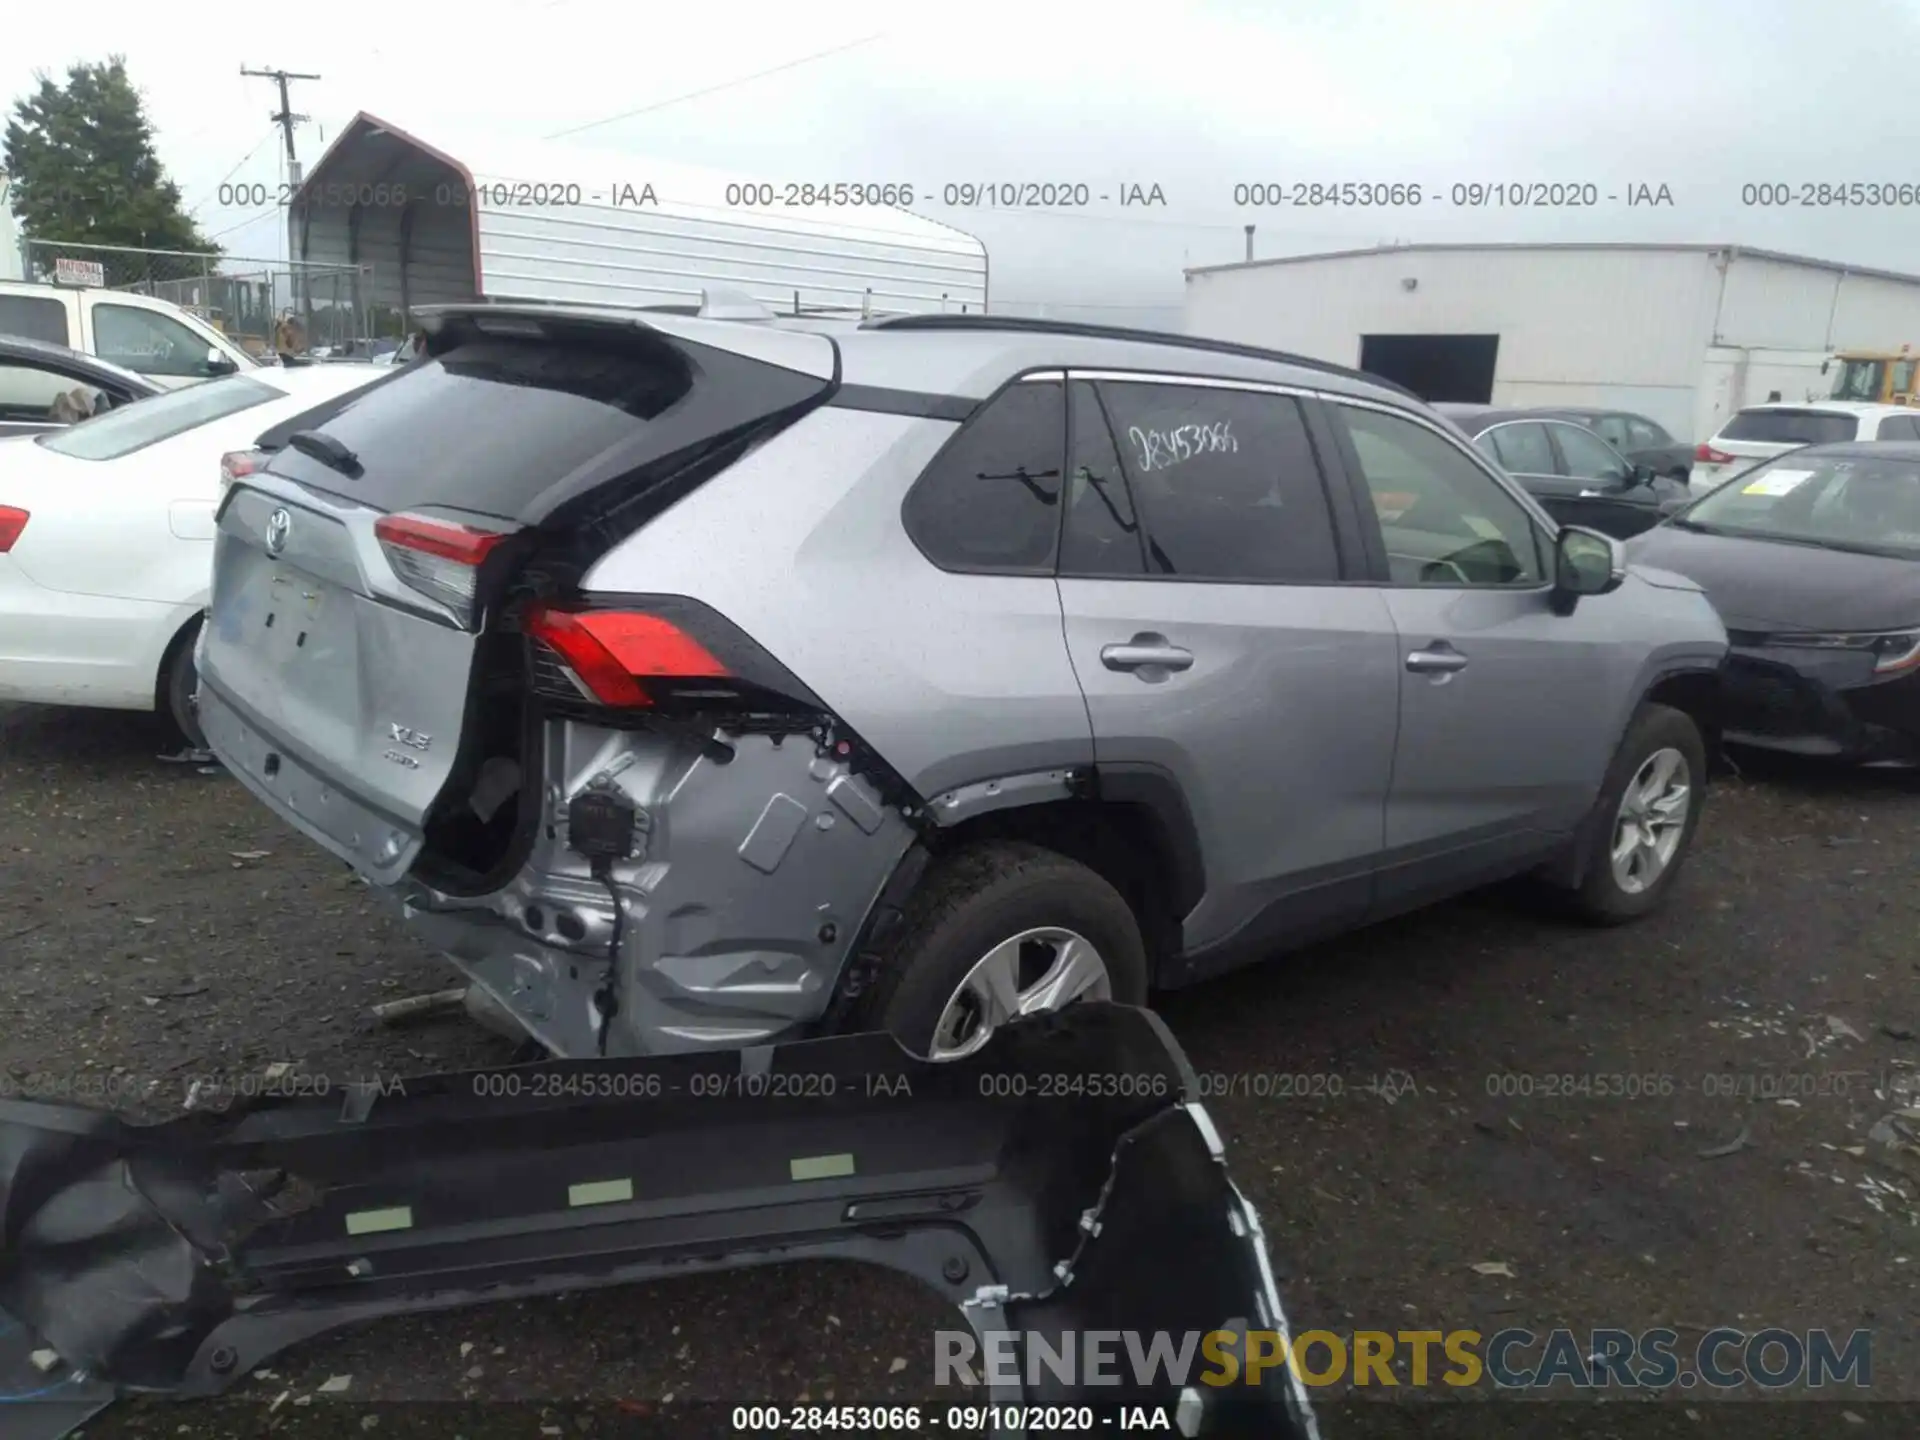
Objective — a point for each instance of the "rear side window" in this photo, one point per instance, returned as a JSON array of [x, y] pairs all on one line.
[[35, 317], [990, 501], [1227, 483], [121, 432], [1899, 427], [1790, 427]]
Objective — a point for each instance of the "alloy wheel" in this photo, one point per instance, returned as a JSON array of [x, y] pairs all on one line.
[[1027, 974], [1651, 821]]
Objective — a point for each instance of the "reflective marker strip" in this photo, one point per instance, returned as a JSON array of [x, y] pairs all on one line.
[[600, 1192], [372, 1222], [820, 1167]]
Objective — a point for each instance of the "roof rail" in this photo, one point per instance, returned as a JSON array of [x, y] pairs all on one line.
[[1029, 325]]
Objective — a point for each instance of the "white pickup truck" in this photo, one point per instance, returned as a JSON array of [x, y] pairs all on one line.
[[136, 332]]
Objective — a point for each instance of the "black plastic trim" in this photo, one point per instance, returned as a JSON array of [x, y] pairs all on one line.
[[1155, 788], [914, 403]]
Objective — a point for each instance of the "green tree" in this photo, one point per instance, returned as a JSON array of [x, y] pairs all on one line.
[[82, 168]]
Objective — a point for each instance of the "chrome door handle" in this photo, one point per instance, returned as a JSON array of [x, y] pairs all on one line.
[[1436, 660], [1139, 654]]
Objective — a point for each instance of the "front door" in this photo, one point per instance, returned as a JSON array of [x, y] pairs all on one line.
[[1220, 643], [1505, 707]]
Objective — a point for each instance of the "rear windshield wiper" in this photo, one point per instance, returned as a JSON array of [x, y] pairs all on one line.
[[328, 451]]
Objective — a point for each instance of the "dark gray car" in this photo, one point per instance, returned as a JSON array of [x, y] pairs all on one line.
[[698, 682], [1813, 559], [44, 386], [1642, 440], [1576, 475]]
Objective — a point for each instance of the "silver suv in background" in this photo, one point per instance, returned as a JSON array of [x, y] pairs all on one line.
[[699, 682]]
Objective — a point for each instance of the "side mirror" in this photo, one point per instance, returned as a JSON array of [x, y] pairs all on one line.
[[1585, 562], [1642, 475], [219, 362], [1825, 365]]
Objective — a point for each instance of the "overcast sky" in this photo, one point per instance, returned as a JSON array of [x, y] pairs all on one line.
[[1701, 96]]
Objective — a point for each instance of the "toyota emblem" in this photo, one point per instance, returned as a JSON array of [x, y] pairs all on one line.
[[279, 526]]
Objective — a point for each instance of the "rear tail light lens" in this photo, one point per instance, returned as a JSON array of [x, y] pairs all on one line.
[[439, 558], [12, 522], [613, 652], [1705, 454], [236, 464]]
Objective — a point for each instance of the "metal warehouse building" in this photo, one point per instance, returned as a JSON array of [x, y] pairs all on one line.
[[1683, 333]]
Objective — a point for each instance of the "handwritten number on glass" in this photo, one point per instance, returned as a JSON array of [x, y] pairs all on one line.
[[1164, 449]]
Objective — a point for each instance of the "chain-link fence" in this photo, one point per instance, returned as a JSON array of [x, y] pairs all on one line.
[[261, 305]]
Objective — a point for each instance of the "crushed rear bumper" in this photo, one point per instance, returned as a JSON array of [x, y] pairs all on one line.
[[176, 1257]]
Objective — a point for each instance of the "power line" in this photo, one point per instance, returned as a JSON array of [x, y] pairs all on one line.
[[716, 89], [285, 118], [214, 189]]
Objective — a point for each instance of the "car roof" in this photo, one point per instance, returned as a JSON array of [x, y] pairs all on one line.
[[1862, 449], [1485, 417], [1832, 407], [971, 356], [21, 347]]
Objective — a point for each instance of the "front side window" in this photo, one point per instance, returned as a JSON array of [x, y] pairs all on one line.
[[1444, 520], [991, 499], [1588, 457], [1523, 449], [39, 396], [1226, 481], [121, 432], [1870, 504], [1612, 429], [150, 343]]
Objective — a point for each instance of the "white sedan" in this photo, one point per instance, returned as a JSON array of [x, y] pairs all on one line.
[[106, 536]]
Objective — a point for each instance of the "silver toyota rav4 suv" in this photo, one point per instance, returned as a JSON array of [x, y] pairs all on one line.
[[699, 682]]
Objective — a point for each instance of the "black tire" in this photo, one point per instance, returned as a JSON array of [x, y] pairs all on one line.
[[175, 689], [973, 900], [1600, 899]]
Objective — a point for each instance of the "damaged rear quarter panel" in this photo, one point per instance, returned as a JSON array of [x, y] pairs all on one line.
[[953, 679], [749, 882]]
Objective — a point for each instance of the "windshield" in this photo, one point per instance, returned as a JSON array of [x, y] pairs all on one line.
[[1858, 380], [121, 432], [1791, 427], [1863, 503]]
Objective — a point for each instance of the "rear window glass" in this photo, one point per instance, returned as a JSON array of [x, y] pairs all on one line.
[[491, 425], [121, 432], [35, 317], [1790, 427]]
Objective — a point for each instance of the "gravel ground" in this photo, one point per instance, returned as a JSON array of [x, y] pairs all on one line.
[[159, 927]]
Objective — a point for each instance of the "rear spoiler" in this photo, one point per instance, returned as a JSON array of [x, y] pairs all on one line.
[[174, 1258]]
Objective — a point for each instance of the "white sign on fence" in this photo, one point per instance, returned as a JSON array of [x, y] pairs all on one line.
[[78, 272]]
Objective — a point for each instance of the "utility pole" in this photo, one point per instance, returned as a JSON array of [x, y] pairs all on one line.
[[286, 118]]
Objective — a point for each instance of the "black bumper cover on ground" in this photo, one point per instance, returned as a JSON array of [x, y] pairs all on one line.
[[1063, 1179]]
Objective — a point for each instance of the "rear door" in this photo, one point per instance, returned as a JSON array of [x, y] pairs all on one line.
[[1208, 583], [1751, 436], [336, 664], [1505, 708]]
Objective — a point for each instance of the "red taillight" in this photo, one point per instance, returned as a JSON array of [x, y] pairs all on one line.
[[237, 463], [12, 522], [612, 650], [1705, 454], [439, 558]]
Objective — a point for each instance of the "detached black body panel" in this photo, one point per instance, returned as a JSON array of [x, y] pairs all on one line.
[[1062, 1179]]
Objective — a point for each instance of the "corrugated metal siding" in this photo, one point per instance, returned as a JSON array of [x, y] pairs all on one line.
[[626, 255], [585, 240]]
